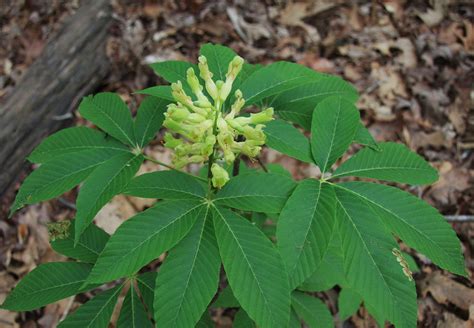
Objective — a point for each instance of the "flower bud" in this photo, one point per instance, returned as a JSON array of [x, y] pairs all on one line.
[[177, 113], [206, 75], [219, 176], [262, 117], [170, 141], [193, 81], [179, 94]]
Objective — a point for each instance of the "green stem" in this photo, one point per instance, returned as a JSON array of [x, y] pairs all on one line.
[[148, 158]]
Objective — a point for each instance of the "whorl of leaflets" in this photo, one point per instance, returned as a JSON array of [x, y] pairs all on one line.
[[202, 128]]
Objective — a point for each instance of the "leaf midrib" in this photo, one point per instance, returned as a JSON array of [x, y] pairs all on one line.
[[387, 286], [395, 215], [379, 168], [91, 323], [113, 122], [324, 168], [248, 262], [94, 204], [180, 307], [309, 228], [155, 233]]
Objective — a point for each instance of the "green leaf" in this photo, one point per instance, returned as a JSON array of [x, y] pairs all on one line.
[[205, 321], [305, 228], [47, 283], [90, 245], [149, 119], [146, 285], [312, 310], [412, 265], [330, 271], [95, 313], [259, 192], [226, 299], [173, 70], [295, 322], [254, 269], [166, 185], [144, 238], [335, 122], [418, 224], [348, 303], [363, 137], [394, 162], [218, 59], [57, 176], [133, 313], [109, 112], [297, 104], [276, 78], [286, 139], [188, 279], [370, 267], [161, 92], [72, 140], [242, 320], [108, 180], [276, 168]]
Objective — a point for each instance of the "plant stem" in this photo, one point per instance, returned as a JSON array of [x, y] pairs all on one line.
[[148, 158], [265, 169]]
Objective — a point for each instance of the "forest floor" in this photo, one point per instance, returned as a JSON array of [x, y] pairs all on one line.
[[412, 62]]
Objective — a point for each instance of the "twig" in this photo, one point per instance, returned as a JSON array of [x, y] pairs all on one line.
[[460, 218], [148, 158], [262, 165]]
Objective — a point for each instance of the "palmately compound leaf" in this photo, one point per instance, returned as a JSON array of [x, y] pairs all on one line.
[[133, 313], [166, 185], [394, 162], [188, 279], [276, 78], [149, 118], [254, 269], [60, 175], [161, 92], [96, 312], [144, 238], [330, 271], [286, 139], [259, 192], [90, 245], [73, 140], [173, 70], [146, 285], [297, 104], [106, 181], [370, 267], [109, 112], [312, 310], [47, 283], [335, 122], [218, 59], [418, 224], [242, 320], [363, 137], [305, 227], [348, 303]]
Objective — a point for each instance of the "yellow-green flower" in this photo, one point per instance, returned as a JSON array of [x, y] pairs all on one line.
[[198, 127]]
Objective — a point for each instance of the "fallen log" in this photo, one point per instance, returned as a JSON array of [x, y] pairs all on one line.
[[73, 64]]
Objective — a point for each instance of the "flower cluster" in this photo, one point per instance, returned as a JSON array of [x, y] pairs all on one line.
[[199, 127]]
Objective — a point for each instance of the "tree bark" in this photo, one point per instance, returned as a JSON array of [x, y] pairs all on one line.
[[73, 64]]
